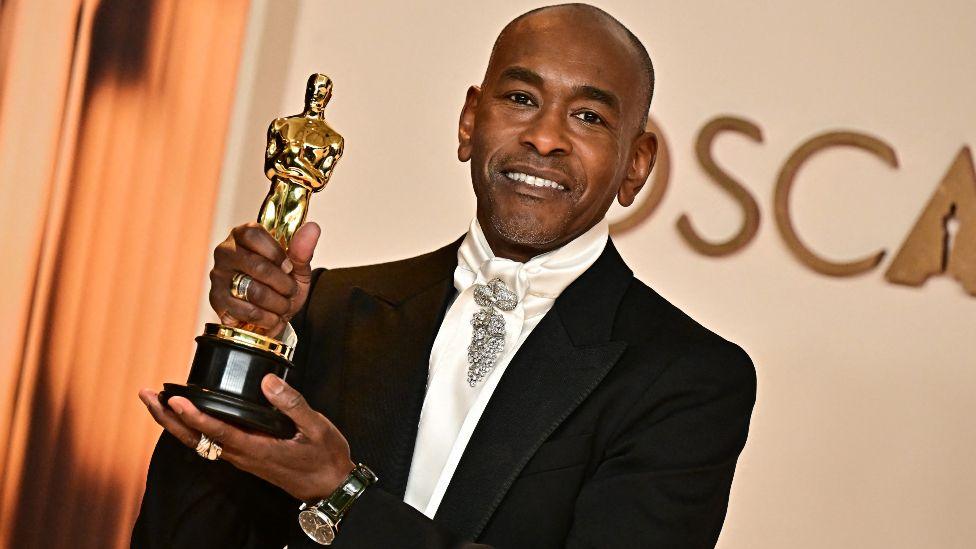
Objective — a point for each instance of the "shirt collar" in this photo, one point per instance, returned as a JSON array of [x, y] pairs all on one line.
[[547, 274]]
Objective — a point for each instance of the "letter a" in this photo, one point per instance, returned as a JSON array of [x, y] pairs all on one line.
[[924, 253]]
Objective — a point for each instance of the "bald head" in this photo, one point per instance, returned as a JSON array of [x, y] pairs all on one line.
[[592, 21]]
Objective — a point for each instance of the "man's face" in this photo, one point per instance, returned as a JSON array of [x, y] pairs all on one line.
[[553, 132]]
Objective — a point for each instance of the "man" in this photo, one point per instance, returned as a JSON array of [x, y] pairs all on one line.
[[518, 388]]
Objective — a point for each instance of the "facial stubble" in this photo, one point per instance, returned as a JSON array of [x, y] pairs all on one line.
[[523, 228]]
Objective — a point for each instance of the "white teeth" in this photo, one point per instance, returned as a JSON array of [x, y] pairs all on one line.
[[533, 180]]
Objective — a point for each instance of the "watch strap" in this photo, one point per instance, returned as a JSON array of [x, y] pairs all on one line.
[[336, 505]]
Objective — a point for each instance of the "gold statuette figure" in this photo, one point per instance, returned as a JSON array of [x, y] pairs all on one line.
[[302, 152], [225, 378]]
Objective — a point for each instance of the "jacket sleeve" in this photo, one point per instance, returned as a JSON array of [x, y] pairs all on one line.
[[381, 520], [666, 475], [191, 502]]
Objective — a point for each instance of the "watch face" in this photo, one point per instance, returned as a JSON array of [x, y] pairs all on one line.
[[317, 526]]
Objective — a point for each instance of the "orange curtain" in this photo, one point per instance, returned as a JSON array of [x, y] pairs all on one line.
[[113, 116]]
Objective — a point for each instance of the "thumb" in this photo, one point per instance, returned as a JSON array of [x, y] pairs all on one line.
[[301, 248], [290, 402]]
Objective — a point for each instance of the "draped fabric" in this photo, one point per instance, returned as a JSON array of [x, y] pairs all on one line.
[[113, 116]]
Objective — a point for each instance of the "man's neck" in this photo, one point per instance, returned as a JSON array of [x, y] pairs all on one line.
[[515, 251]]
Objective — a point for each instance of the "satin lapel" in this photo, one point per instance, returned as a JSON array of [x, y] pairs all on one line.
[[558, 366], [385, 376]]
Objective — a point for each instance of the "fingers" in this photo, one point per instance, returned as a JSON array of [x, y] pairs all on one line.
[[271, 294], [225, 317], [237, 312], [168, 420], [254, 237], [268, 299], [230, 438], [279, 280], [290, 402], [229, 260], [186, 422], [258, 295]]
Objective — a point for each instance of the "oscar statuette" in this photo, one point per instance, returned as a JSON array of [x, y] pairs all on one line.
[[230, 362]]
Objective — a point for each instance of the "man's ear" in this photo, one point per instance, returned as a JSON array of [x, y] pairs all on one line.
[[641, 162], [466, 124]]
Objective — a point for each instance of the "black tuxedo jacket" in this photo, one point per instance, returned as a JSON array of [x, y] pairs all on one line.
[[617, 424]]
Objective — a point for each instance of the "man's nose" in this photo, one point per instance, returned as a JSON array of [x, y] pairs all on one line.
[[547, 133]]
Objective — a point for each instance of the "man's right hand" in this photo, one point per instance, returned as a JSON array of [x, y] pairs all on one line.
[[280, 282]]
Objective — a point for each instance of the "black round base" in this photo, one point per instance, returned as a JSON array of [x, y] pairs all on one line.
[[232, 409], [225, 381]]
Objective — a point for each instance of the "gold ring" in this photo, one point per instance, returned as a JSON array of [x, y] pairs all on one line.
[[208, 449], [239, 285]]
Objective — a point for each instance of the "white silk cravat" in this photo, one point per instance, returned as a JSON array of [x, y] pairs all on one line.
[[452, 408]]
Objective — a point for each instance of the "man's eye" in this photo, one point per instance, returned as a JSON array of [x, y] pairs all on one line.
[[520, 98], [589, 117]]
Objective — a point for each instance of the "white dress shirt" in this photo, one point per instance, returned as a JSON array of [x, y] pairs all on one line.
[[452, 408]]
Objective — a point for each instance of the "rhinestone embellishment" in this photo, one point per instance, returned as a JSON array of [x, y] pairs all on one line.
[[488, 336]]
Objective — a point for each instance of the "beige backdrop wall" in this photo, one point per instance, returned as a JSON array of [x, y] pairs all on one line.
[[863, 432]]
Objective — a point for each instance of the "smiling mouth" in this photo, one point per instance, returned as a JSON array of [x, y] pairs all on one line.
[[534, 180]]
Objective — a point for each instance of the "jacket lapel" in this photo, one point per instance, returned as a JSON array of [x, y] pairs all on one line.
[[562, 361], [390, 332]]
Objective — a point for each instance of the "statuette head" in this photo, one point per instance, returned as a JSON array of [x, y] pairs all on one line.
[[318, 92]]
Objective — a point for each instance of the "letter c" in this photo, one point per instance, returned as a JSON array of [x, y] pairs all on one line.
[[784, 185]]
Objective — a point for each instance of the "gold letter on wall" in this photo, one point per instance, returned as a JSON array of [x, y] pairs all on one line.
[[750, 210], [784, 185], [931, 247]]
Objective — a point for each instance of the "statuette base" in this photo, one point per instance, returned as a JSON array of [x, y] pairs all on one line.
[[225, 381]]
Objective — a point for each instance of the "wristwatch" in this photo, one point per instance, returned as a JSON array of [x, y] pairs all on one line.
[[321, 520]]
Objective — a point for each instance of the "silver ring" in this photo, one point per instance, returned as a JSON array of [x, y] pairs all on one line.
[[239, 285], [208, 449]]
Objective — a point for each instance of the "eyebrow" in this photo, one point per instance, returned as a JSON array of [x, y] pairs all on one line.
[[529, 76], [522, 74], [600, 95]]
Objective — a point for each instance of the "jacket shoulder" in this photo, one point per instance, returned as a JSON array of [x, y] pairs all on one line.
[[646, 320]]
